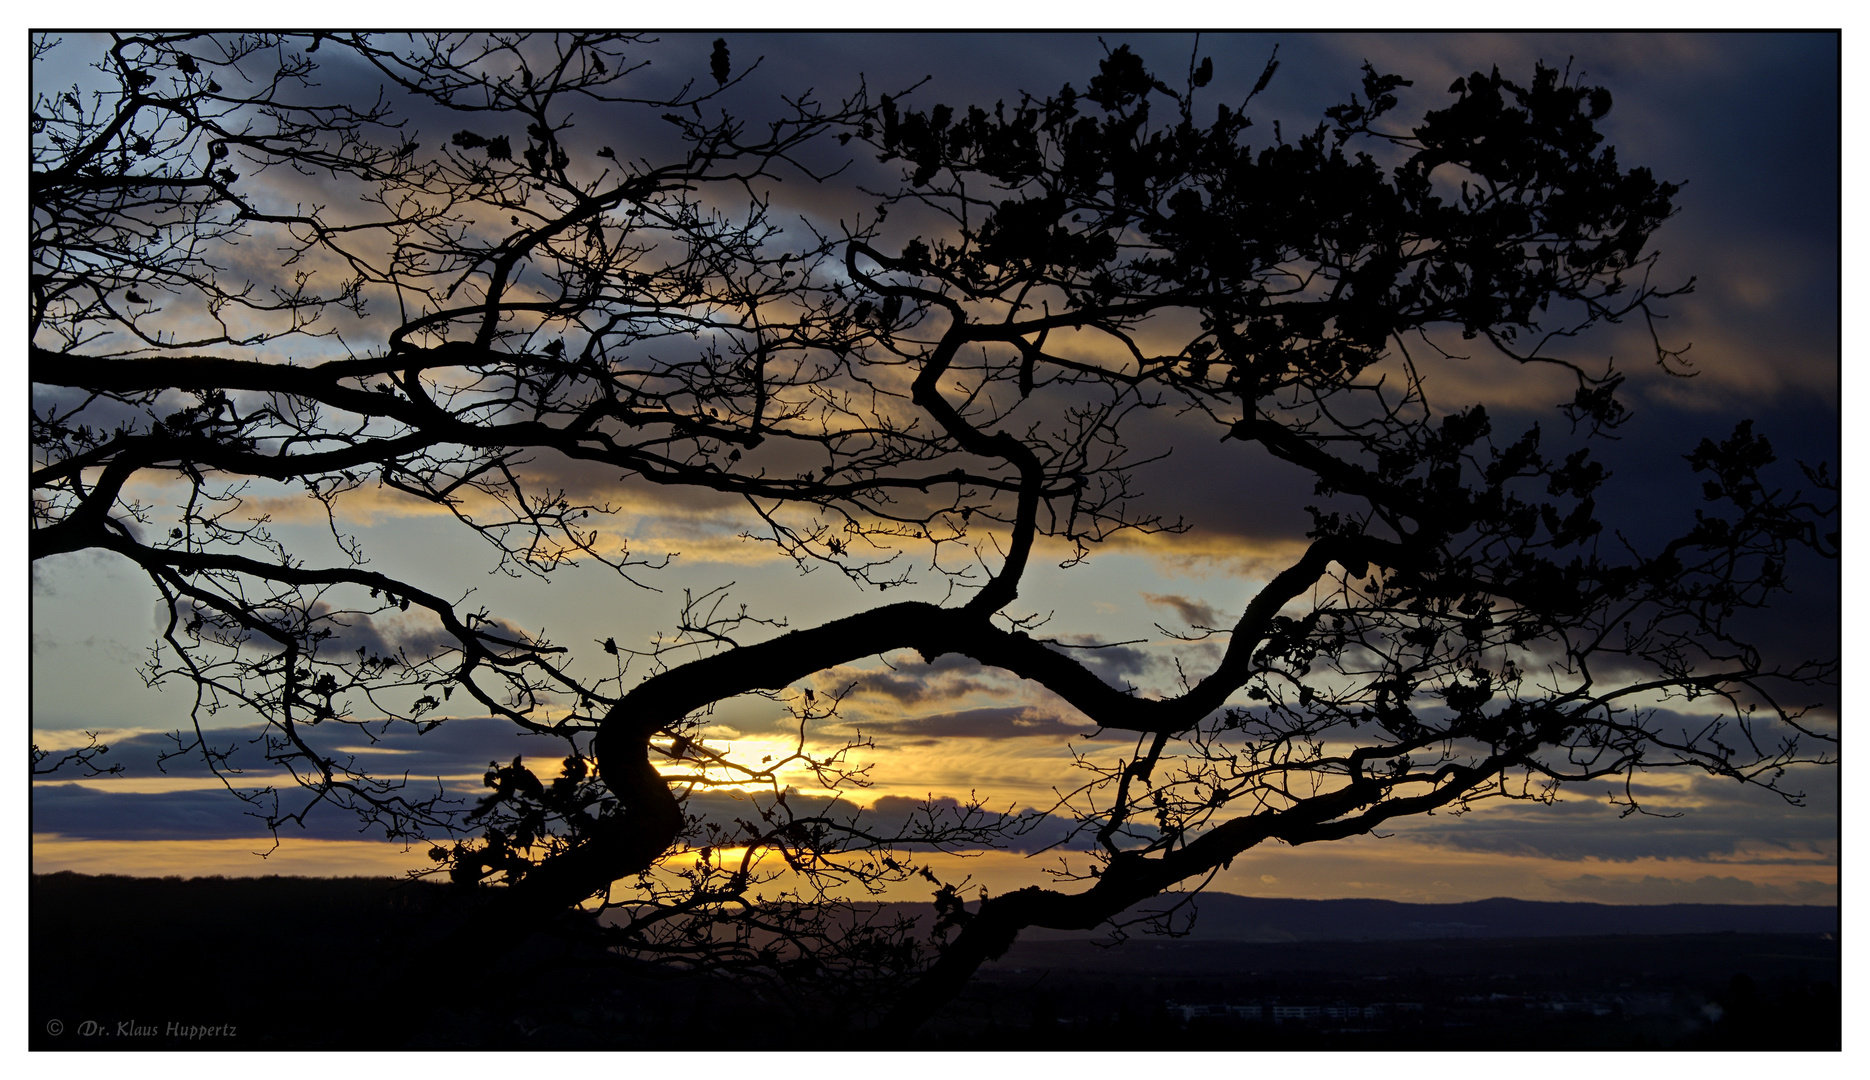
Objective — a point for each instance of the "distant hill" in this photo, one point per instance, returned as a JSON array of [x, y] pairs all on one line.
[[1226, 917], [1220, 916]]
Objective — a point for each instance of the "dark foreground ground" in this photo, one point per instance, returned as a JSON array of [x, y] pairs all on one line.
[[288, 963]]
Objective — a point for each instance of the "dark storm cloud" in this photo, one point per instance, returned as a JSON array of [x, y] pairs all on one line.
[[1752, 127], [1652, 496], [1749, 122], [1761, 210]]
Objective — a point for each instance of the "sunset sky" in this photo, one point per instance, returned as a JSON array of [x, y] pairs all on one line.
[[1749, 121]]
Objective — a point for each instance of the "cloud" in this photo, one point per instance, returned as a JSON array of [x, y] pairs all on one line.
[[1706, 889], [1748, 120], [459, 747], [451, 758], [1195, 613], [1111, 663], [367, 505], [1018, 708], [414, 634], [912, 682], [81, 811], [963, 827], [993, 722], [1692, 817]]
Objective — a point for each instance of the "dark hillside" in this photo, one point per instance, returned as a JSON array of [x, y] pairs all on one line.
[[286, 961], [280, 963]]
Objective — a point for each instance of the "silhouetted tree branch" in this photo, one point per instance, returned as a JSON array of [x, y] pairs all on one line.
[[84, 757], [1459, 627]]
